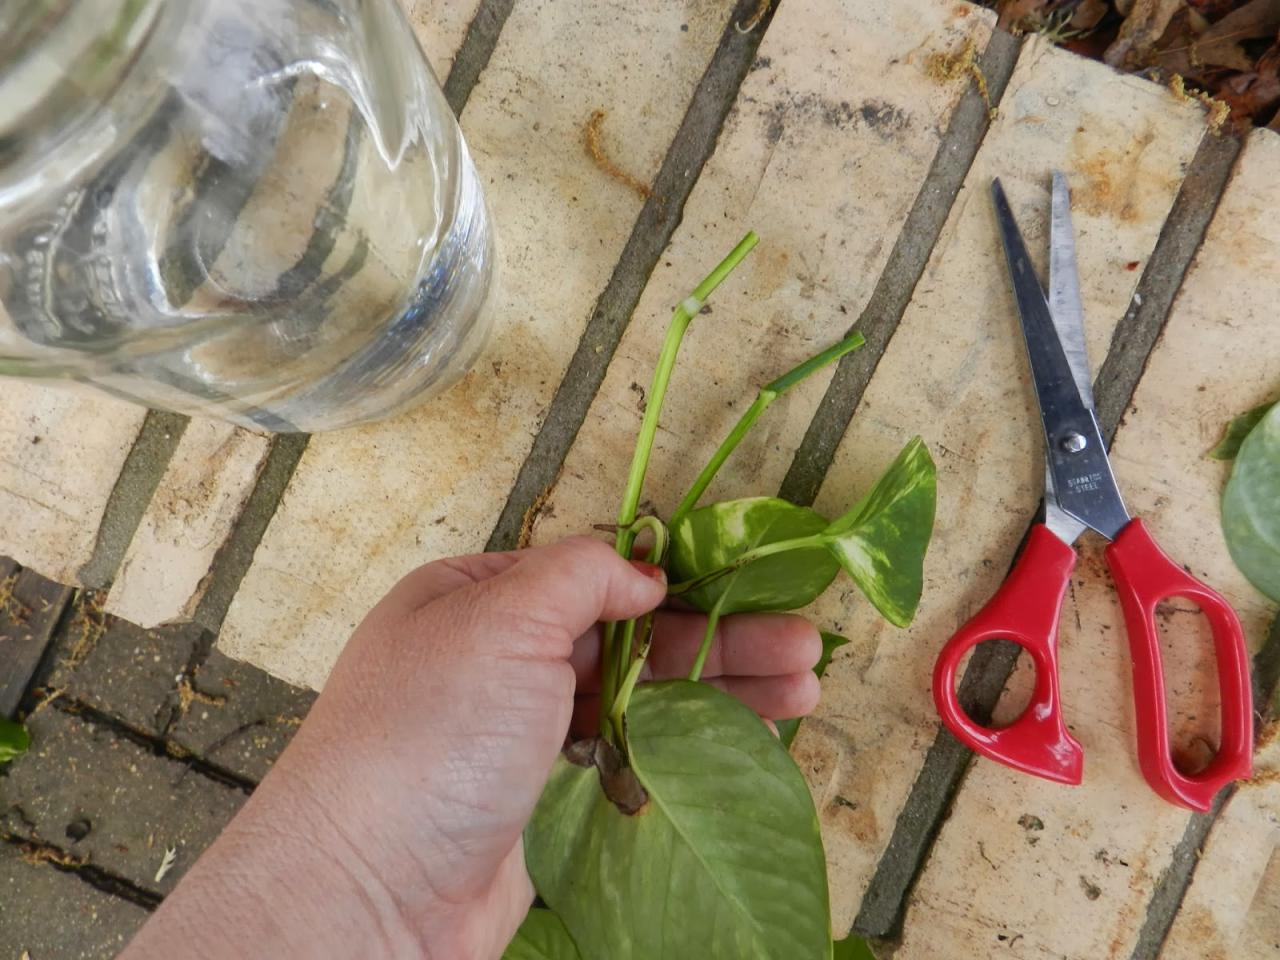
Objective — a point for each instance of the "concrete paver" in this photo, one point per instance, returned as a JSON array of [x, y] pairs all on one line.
[[118, 668], [89, 925], [194, 508], [242, 718], [135, 803], [60, 453]]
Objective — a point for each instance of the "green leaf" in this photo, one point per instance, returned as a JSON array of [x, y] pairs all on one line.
[[14, 740], [1237, 430], [831, 642], [1251, 506], [724, 859], [541, 937], [881, 542], [713, 537], [852, 948]]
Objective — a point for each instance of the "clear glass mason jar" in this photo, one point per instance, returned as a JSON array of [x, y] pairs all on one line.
[[261, 210]]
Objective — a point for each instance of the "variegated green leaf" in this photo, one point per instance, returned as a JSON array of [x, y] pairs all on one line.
[[1251, 506], [541, 937], [713, 537], [881, 542], [723, 861]]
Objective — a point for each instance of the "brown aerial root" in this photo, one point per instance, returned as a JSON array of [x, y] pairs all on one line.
[[596, 149]]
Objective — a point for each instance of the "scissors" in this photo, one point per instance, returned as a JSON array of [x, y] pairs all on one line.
[[1081, 493]]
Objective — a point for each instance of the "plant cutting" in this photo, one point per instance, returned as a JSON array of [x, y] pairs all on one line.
[[684, 828]]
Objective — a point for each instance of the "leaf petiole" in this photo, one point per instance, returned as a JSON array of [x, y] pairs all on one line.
[[657, 554], [708, 636], [764, 399]]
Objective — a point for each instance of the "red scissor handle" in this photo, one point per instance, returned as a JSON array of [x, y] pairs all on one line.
[[1025, 610], [1144, 576]]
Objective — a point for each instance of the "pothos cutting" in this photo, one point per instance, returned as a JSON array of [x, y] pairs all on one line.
[[685, 829]]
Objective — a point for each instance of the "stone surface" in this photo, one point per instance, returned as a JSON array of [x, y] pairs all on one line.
[[189, 518], [956, 373], [87, 925], [1224, 312], [121, 669], [1082, 890], [867, 126], [242, 718], [440, 26], [138, 804], [60, 453], [1231, 911], [30, 607], [432, 482]]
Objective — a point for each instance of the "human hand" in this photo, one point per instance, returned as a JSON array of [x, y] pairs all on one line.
[[392, 823]]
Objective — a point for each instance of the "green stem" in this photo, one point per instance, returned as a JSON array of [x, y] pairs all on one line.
[[750, 556], [613, 668], [624, 697], [658, 555], [628, 684], [769, 393], [608, 673], [709, 635], [680, 320], [658, 552]]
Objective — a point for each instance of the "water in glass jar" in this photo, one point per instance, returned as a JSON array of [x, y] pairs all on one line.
[[262, 210]]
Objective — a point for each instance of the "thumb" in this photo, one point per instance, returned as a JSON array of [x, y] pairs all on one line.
[[559, 591]]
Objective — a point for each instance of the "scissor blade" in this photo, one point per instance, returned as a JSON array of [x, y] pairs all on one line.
[[1064, 289], [1060, 523], [1080, 480]]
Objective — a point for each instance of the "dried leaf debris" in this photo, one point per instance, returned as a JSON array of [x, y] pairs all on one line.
[[1222, 53]]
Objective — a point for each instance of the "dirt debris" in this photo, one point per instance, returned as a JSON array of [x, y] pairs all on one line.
[[10, 606], [1219, 111], [88, 626], [1225, 51], [36, 853], [947, 67], [188, 694]]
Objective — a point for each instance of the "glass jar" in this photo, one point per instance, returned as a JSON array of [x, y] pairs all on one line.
[[261, 210]]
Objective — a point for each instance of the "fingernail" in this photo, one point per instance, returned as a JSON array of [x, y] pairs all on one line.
[[650, 570]]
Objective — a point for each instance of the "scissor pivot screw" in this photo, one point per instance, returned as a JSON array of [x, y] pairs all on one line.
[[1073, 442]]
